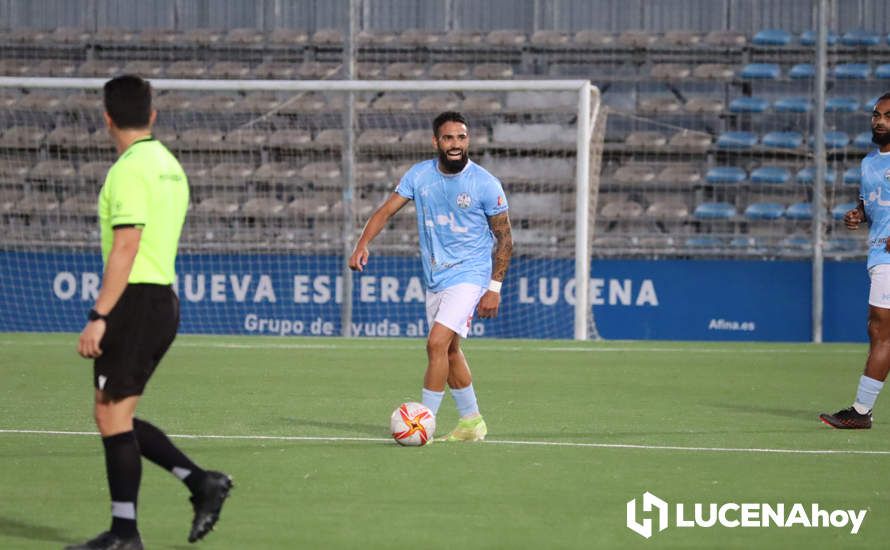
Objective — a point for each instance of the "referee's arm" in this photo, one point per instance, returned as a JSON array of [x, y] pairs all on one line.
[[117, 271]]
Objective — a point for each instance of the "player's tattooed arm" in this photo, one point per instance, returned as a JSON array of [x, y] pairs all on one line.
[[500, 226]]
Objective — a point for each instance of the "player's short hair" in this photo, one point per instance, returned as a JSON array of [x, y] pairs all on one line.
[[448, 116], [128, 101], [882, 98]]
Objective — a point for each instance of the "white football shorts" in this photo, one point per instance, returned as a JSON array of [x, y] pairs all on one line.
[[879, 291], [454, 307]]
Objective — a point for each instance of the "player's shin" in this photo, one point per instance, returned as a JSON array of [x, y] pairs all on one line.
[[432, 399], [465, 400], [867, 394]]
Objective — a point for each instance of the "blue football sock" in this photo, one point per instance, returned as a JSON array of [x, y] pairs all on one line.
[[465, 399], [432, 399], [868, 391]]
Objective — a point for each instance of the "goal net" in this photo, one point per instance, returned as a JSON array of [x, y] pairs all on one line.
[[282, 179]]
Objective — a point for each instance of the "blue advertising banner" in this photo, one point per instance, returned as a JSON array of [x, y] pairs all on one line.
[[301, 295]]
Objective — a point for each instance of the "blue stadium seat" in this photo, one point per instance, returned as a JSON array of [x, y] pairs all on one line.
[[852, 71], [761, 71], [737, 140], [745, 242], [793, 105], [764, 211], [802, 71], [770, 175], [808, 38], [714, 211], [704, 241], [796, 242], [807, 176], [852, 175], [783, 140], [840, 209], [843, 244], [860, 37], [882, 71], [834, 140], [772, 37], [741, 242], [863, 141], [725, 174], [841, 105], [748, 105], [799, 211]]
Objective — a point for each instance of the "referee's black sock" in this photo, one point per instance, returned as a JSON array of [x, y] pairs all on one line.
[[124, 468], [157, 447]]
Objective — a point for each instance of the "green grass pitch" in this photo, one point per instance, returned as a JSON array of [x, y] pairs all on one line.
[[689, 422]]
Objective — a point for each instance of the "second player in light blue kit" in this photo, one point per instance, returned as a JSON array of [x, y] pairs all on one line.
[[465, 249], [873, 208]]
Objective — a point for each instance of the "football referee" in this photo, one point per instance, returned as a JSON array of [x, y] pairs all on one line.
[[142, 208]]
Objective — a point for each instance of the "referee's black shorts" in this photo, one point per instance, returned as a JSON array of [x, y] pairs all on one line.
[[140, 329]]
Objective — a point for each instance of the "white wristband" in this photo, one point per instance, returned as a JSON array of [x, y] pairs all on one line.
[[494, 286]]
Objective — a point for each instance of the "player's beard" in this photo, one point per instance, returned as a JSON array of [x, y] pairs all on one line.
[[450, 166], [880, 138]]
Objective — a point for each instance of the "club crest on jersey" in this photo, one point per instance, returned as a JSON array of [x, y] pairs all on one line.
[[464, 200]]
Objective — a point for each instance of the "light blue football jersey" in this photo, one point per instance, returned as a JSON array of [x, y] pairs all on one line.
[[452, 221], [874, 190]]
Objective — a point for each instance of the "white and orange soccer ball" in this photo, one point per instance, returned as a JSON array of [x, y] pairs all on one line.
[[412, 424]]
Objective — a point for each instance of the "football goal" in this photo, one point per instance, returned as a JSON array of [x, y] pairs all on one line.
[[283, 175]]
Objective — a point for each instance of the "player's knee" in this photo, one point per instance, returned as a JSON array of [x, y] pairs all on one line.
[[879, 326], [439, 343], [434, 346], [879, 332]]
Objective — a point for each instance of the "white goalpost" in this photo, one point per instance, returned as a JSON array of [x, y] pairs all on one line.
[[283, 174]]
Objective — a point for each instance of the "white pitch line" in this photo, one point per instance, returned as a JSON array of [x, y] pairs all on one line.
[[495, 348], [232, 345], [680, 448]]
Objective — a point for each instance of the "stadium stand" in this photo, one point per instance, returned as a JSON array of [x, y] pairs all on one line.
[[704, 120]]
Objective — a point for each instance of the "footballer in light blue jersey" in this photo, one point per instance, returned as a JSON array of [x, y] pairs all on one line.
[[874, 192], [874, 208], [452, 221], [465, 247]]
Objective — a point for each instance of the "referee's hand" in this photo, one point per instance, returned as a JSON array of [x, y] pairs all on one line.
[[88, 344]]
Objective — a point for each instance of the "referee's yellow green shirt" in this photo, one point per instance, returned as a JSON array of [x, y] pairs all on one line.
[[146, 188]]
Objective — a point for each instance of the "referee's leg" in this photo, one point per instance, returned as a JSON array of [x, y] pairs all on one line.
[[123, 463], [114, 416]]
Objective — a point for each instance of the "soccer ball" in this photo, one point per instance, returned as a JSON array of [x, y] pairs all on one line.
[[412, 424]]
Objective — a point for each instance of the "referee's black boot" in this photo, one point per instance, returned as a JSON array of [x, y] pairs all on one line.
[[109, 541], [207, 502]]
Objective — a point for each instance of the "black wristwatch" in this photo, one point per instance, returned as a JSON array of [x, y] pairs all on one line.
[[94, 315]]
